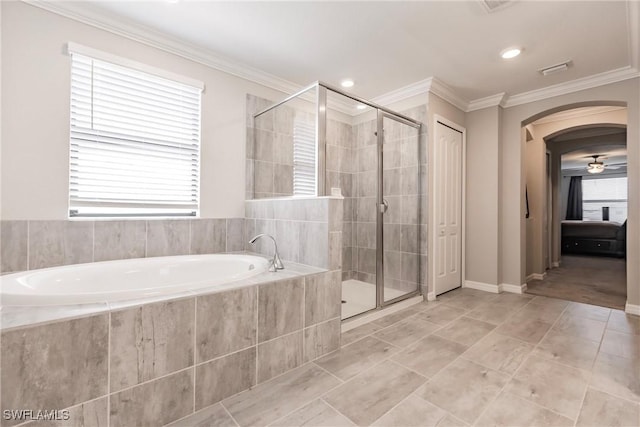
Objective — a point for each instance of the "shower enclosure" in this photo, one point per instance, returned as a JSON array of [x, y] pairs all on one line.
[[322, 139]]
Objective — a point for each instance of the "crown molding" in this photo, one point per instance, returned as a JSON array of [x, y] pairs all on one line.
[[488, 101], [86, 14], [596, 80], [405, 92], [448, 94]]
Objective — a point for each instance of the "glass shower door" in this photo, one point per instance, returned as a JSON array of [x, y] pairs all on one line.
[[398, 209]]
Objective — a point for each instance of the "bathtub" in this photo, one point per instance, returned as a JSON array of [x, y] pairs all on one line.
[[132, 279]]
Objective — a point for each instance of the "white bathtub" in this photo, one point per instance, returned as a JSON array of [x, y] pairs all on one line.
[[122, 280]]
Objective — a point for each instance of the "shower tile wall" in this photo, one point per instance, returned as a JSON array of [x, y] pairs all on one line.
[[269, 148], [340, 173]]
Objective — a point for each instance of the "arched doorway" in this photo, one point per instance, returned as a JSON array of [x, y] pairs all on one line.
[[584, 131]]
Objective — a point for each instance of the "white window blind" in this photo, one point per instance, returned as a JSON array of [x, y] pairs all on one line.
[[304, 158], [135, 142]]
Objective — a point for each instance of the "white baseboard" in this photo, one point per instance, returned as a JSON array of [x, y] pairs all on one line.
[[555, 264], [514, 289], [487, 287], [431, 296], [536, 276], [632, 309]]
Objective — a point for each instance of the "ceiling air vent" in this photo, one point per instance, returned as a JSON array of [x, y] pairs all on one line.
[[557, 68], [495, 5]]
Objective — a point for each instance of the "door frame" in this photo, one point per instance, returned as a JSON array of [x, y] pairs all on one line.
[[431, 294]]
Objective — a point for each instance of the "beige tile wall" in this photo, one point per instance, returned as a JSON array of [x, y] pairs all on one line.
[[28, 245]]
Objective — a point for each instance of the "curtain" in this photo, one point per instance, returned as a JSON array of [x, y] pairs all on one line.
[[574, 203]]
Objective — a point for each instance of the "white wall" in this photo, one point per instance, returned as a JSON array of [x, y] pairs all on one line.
[[482, 201], [35, 120]]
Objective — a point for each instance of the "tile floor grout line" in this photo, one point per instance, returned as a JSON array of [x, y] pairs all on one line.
[[336, 409], [229, 413]]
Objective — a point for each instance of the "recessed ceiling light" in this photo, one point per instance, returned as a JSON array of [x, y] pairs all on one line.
[[347, 83], [510, 52], [361, 107]]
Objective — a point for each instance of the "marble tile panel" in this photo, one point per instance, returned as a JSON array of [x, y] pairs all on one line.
[[119, 240], [588, 311], [315, 414], [56, 365], [465, 331], [481, 385], [406, 331], [235, 233], [167, 237], [530, 331], [323, 293], [53, 243], [314, 244], [212, 416], [359, 332], [567, 349], [274, 399], [509, 410], [412, 412], [559, 388], [441, 314], [429, 355], [89, 414], [226, 322], [154, 403], [280, 308], [602, 409], [280, 355], [150, 341], [321, 339], [354, 358], [621, 344], [224, 377], [622, 322], [617, 376], [580, 327], [208, 236], [368, 396], [13, 245], [392, 318], [499, 352]]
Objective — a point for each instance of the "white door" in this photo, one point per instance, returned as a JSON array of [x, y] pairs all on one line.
[[448, 208]]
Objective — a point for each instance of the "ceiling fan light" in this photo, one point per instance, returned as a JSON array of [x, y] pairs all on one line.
[[595, 167]]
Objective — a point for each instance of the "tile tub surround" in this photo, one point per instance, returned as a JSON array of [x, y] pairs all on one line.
[[155, 363], [28, 245], [307, 230]]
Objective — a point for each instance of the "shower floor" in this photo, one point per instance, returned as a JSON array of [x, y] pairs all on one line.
[[361, 297]]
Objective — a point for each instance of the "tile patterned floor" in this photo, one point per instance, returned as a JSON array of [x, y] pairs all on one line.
[[471, 358]]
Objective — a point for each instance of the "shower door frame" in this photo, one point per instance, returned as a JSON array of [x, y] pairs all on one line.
[[382, 206]]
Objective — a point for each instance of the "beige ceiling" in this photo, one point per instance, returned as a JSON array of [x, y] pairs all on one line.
[[387, 45]]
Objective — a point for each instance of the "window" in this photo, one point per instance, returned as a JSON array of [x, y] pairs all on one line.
[[604, 192], [135, 140], [304, 158]]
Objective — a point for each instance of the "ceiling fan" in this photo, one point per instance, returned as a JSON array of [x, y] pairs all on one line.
[[597, 166]]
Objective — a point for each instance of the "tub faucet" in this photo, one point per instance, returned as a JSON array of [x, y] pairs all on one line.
[[276, 263]]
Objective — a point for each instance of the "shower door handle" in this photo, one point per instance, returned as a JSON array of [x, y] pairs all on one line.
[[384, 206]]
